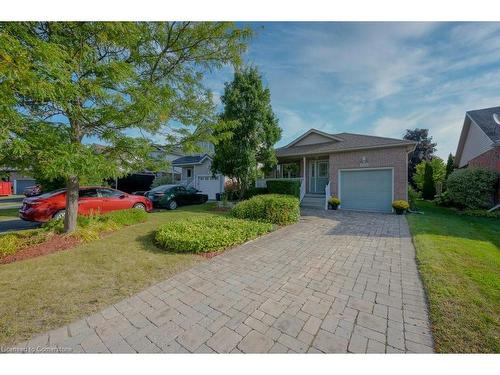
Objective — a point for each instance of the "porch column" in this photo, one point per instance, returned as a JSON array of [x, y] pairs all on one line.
[[304, 171]]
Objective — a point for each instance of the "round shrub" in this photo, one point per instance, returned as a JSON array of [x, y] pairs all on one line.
[[269, 208], [208, 234], [471, 188], [334, 201], [400, 205]]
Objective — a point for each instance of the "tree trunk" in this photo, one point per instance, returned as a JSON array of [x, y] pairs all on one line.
[[72, 189]]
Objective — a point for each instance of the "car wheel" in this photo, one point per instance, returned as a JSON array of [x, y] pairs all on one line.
[[172, 205], [59, 215], [140, 206]]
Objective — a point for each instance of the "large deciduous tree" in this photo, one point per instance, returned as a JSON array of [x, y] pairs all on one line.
[[250, 129], [64, 85], [424, 149]]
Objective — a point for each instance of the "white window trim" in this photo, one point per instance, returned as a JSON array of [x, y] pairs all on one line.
[[363, 169]]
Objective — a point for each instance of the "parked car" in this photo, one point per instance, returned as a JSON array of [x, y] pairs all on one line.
[[91, 199], [32, 191], [154, 195], [140, 192], [178, 195]]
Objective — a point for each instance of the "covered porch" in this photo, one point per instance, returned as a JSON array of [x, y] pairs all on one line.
[[312, 172]]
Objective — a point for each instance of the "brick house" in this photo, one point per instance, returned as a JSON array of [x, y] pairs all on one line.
[[479, 144], [365, 172]]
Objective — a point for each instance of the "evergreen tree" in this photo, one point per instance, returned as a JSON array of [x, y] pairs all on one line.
[[449, 165], [249, 129], [428, 189], [424, 149]]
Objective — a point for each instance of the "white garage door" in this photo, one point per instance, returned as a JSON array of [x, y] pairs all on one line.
[[209, 185], [366, 190]]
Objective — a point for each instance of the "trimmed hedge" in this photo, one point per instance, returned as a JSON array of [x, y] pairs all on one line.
[[207, 234], [252, 192], [288, 187], [271, 208], [471, 188]]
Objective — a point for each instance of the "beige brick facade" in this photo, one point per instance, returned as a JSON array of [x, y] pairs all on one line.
[[394, 157]]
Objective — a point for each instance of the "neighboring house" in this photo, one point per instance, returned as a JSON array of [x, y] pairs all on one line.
[[479, 144], [196, 172], [366, 172], [19, 181]]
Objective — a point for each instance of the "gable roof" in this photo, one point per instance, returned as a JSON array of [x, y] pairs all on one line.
[[344, 142], [483, 118], [191, 159], [310, 131]]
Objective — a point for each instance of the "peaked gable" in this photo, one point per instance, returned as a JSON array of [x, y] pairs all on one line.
[[312, 137]]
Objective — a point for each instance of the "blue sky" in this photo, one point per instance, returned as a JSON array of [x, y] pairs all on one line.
[[375, 78]]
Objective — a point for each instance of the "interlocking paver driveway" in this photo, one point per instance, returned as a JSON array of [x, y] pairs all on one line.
[[335, 282]]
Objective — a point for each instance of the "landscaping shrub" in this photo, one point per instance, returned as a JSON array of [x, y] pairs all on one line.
[[252, 192], [89, 229], [270, 208], [288, 187], [231, 191], [334, 201], [481, 213], [471, 188], [400, 205], [11, 243], [443, 199], [207, 234], [413, 196], [428, 187]]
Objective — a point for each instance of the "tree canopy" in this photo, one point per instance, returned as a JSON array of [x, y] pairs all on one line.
[[424, 149], [250, 129], [438, 172], [65, 85]]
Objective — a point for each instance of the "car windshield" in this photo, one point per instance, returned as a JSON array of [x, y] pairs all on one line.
[[162, 188], [51, 193]]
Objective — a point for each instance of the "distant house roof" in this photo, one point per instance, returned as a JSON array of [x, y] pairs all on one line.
[[190, 160], [484, 119], [342, 142]]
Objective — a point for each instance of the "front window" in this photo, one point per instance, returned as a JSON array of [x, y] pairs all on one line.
[[189, 172]]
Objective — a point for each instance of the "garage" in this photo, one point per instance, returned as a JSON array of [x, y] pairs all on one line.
[[209, 185], [366, 189], [21, 185]]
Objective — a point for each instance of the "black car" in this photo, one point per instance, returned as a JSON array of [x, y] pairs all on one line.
[[171, 196]]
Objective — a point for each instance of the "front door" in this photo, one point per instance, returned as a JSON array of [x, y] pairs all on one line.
[[318, 176]]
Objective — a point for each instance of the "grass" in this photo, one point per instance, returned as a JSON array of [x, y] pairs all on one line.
[[9, 214], [47, 292], [459, 260]]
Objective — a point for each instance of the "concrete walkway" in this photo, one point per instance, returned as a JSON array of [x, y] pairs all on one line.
[[336, 282]]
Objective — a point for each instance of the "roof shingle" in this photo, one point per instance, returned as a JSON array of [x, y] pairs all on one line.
[[348, 141], [484, 119]]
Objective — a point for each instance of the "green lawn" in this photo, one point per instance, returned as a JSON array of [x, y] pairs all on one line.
[[459, 260], [43, 293], [9, 214]]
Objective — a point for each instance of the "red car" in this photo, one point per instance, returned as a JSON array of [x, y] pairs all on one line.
[[92, 200]]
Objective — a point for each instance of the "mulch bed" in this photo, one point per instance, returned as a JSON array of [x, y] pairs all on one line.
[[55, 243]]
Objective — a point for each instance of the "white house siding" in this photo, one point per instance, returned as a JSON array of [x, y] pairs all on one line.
[[476, 143]]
